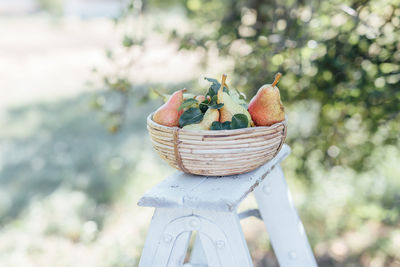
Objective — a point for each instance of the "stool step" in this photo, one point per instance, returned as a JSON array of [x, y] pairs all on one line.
[[182, 190]]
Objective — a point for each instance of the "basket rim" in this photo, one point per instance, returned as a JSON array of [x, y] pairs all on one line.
[[219, 132]]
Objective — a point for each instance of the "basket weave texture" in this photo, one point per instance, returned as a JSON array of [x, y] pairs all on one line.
[[217, 153]]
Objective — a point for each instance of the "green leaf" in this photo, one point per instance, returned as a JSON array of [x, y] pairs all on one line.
[[210, 92], [239, 121], [213, 90], [214, 87], [190, 116], [226, 125], [216, 106], [211, 80], [187, 103], [204, 106], [216, 125], [214, 100]]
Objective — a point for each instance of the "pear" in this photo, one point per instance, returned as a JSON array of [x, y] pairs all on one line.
[[210, 116], [236, 97], [266, 107], [168, 114], [230, 107]]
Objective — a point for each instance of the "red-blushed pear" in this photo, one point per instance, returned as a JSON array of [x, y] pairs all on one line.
[[266, 107], [168, 114]]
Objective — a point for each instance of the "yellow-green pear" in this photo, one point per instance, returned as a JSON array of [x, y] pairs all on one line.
[[230, 107], [210, 116]]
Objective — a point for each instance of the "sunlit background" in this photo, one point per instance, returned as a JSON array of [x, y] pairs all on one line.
[[79, 77]]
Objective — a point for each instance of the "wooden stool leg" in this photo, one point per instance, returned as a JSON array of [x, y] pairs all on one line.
[[214, 257], [178, 252], [284, 226], [165, 247], [222, 240]]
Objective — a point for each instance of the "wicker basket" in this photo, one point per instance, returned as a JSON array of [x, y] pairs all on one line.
[[217, 153]]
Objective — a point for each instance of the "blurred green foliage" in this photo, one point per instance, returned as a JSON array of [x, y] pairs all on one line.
[[54, 7], [343, 56], [341, 62], [341, 66]]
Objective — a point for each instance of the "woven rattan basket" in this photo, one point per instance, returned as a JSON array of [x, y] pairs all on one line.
[[217, 153]]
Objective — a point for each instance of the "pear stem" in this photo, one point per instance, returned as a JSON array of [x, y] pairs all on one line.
[[277, 77], [221, 88], [223, 80]]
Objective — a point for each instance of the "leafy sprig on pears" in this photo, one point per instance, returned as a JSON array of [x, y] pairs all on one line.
[[191, 116], [194, 111], [215, 85]]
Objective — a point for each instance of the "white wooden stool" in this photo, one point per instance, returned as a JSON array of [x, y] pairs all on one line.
[[207, 205]]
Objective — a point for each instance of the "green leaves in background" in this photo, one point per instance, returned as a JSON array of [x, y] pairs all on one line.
[[340, 61], [127, 41], [190, 116], [187, 103]]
